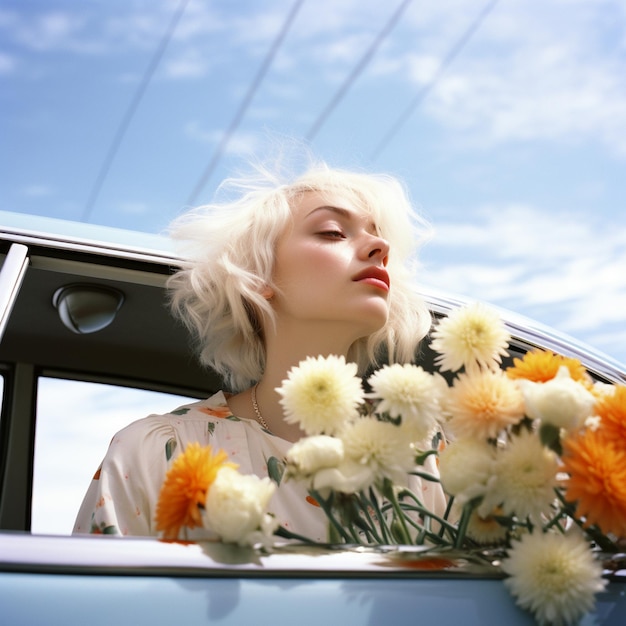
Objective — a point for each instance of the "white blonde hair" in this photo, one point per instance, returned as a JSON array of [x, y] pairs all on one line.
[[229, 260]]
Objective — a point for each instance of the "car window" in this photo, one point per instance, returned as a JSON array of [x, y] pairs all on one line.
[[75, 423]]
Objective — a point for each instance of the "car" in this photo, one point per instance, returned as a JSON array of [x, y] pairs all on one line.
[[83, 315]]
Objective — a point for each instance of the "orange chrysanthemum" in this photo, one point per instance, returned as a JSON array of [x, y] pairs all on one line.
[[540, 366], [185, 488], [483, 404], [597, 480], [612, 411]]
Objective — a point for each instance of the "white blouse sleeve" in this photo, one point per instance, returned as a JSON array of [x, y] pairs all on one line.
[[123, 493]]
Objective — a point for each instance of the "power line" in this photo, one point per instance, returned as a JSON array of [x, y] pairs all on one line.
[[130, 112], [448, 59], [258, 79], [365, 59]]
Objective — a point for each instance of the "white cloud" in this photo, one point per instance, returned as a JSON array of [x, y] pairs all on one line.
[[517, 80], [37, 191], [73, 438], [53, 30], [562, 269], [191, 65], [133, 208], [8, 64], [240, 143]]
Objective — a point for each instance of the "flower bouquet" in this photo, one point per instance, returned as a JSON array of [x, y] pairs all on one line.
[[523, 466]]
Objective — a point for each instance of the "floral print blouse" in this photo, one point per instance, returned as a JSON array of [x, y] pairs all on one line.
[[123, 494]]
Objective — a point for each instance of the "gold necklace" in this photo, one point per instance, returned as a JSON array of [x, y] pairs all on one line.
[[255, 406]]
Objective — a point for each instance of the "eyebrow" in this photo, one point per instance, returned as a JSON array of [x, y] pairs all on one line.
[[335, 209], [342, 212]]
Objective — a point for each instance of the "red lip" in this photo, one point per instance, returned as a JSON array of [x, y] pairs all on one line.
[[377, 276]]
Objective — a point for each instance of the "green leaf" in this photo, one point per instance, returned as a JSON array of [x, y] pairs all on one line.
[[550, 436], [275, 469], [211, 428], [181, 411], [170, 447]]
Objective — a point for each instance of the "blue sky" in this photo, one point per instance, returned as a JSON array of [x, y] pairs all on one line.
[[506, 119]]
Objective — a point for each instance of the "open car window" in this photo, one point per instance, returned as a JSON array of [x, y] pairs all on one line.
[[75, 422]]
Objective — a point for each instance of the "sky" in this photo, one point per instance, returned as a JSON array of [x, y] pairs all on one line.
[[506, 120]]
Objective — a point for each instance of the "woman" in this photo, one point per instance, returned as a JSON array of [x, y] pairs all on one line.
[[316, 267]]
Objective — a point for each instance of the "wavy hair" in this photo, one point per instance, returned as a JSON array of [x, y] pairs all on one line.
[[228, 260]]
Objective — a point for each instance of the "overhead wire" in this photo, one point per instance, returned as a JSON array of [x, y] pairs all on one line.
[[245, 103], [131, 110], [454, 51], [360, 66]]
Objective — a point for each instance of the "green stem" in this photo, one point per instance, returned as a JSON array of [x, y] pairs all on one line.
[[390, 494], [425, 476], [424, 533], [324, 504], [555, 521], [446, 514], [466, 515], [593, 532], [425, 512], [384, 537], [287, 534]]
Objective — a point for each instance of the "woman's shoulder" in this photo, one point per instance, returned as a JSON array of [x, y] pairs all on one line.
[[166, 424]]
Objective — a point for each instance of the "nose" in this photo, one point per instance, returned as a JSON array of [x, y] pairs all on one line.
[[377, 248]]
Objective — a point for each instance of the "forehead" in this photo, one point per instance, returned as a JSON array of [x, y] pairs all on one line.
[[311, 204]]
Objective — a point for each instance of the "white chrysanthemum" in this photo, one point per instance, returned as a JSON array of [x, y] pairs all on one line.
[[380, 446], [603, 389], [321, 394], [593, 423], [348, 477], [561, 401], [470, 336], [409, 392], [526, 474], [312, 454], [236, 507], [554, 576], [466, 468]]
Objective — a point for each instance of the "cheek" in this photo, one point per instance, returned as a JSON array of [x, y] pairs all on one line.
[[331, 258], [310, 262]]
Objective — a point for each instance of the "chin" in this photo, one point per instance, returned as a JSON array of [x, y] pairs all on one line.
[[373, 320]]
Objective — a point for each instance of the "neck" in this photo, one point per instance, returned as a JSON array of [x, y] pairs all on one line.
[[285, 350]]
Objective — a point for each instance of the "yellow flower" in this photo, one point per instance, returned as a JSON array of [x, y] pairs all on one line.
[[554, 576], [470, 337], [611, 408], [483, 404], [486, 530], [321, 394], [540, 366], [185, 487], [597, 480]]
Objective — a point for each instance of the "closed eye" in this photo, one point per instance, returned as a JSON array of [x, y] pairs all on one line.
[[332, 234]]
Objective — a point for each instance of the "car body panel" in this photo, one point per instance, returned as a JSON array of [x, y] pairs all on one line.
[[123, 580]]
